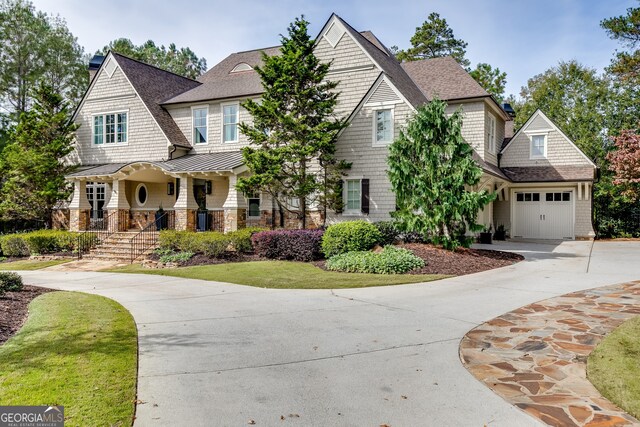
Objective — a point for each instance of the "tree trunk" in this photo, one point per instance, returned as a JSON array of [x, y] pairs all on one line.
[[303, 199]]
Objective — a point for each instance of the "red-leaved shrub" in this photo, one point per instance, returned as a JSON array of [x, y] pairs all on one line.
[[296, 245]]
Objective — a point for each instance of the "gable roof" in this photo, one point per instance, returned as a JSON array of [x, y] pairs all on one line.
[[443, 78], [549, 173], [387, 62], [154, 85], [554, 126], [220, 82]]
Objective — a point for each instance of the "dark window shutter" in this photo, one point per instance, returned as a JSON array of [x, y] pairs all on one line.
[[364, 198], [340, 190]]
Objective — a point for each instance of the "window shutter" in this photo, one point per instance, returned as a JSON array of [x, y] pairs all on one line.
[[364, 198], [340, 190]]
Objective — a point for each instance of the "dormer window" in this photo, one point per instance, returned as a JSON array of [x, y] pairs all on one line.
[[111, 128], [243, 66], [383, 126]]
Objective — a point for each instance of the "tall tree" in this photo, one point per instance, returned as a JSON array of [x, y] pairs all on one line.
[[32, 164], [431, 169], [182, 61], [626, 29], [435, 39], [36, 48], [293, 127], [576, 98], [491, 79], [625, 162]]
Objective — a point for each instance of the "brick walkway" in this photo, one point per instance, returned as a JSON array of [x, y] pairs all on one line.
[[535, 357]]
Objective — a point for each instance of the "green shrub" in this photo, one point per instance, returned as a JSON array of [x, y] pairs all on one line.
[[176, 257], [14, 246], [348, 237], [211, 243], [41, 243], [9, 282], [241, 239], [168, 239], [390, 260]]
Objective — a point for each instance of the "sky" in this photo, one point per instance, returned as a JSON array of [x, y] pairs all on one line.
[[522, 38]]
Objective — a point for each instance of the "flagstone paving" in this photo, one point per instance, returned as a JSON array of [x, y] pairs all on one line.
[[535, 357]]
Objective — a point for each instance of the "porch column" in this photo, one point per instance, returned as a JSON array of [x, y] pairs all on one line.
[[79, 208], [118, 203], [185, 206], [235, 207]]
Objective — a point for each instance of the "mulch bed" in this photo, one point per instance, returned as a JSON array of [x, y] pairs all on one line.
[[462, 261], [14, 309]]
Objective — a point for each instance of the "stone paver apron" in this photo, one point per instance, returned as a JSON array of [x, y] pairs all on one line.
[[535, 357]]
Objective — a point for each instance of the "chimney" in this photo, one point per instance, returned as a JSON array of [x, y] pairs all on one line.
[[508, 125], [94, 66]]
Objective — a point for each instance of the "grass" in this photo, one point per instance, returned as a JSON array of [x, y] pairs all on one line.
[[281, 275], [614, 367], [75, 350], [31, 264]]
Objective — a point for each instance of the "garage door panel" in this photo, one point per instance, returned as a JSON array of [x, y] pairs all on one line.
[[540, 214]]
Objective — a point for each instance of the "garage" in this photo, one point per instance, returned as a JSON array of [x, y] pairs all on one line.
[[543, 214]]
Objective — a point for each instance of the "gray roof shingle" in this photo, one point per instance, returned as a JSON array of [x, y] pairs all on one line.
[[154, 86], [550, 173], [444, 78]]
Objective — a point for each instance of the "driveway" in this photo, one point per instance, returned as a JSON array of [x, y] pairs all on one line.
[[221, 354]]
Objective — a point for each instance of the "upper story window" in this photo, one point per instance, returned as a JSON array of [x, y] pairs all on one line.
[[230, 123], [491, 134], [383, 126], [538, 146], [200, 125], [110, 128], [254, 205]]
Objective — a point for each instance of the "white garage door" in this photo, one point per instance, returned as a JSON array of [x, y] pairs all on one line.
[[543, 214]]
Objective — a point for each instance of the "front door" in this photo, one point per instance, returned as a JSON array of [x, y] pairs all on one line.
[[96, 196], [544, 214]]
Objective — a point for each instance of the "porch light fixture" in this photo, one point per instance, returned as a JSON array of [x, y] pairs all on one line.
[[171, 188], [208, 187]]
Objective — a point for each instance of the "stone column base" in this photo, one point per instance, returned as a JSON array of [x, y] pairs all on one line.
[[185, 219], [235, 219], [79, 219]]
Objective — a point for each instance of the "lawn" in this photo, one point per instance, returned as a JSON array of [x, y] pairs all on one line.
[[614, 369], [281, 275], [75, 350], [31, 264]]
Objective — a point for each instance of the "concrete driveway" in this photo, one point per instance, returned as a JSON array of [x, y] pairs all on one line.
[[230, 355]]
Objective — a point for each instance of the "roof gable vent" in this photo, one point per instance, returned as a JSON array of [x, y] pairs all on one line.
[[243, 66], [110, 67], [334, 34]]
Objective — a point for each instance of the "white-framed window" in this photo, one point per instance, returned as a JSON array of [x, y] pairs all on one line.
[[254, 205], [383, 126], [142, 194], [110, 128], [353, 195], [538, 146], [230, 119], [199, 118], [491, 134], [293, 202]]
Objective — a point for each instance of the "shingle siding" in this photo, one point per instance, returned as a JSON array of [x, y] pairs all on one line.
[[473, 124], [145, 139], [583, 225]]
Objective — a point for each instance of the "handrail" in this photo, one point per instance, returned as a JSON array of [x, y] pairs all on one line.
[[148, 236], [98, 231]]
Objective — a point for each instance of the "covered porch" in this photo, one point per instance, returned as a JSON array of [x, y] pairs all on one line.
[[194, 192]]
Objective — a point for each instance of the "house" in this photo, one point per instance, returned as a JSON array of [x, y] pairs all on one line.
[[149, 139]]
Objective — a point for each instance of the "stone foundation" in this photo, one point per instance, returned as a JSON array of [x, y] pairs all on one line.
[[268, 220], [60, 219], [235, 219], [79, 219], [140, 219], [185, 219]]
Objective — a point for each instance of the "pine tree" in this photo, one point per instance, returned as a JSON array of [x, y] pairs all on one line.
[[293, 125], [33, 166], [430, 169]]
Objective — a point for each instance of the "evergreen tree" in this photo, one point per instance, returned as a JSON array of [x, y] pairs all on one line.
[[32, 166], [626, 29], [491, 79], [293, 134], [431, 169]]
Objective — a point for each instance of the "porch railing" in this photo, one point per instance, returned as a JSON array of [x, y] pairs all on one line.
[[99, 229], [217, 220], [148, 236]]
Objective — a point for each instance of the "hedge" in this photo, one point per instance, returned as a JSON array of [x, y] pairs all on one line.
[[210, 243], [297, 245], [391, 260], [38, 243], [349, 236]]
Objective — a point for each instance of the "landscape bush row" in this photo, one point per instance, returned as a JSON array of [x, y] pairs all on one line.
[[37, 243], [210, 243]]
